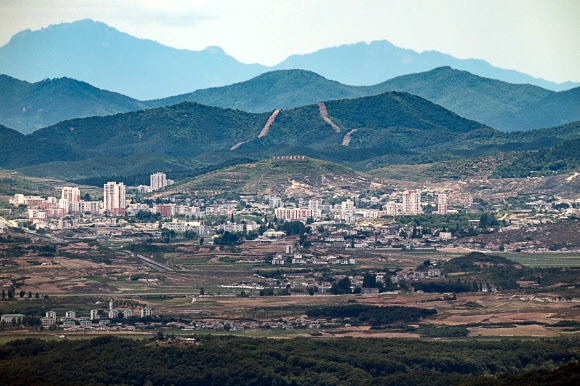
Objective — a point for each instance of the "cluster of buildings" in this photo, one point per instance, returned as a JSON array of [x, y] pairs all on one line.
[[347, 211], [297, 258], [411, 204], [70, 203], [157, 181], [114, 202], [71, 321]]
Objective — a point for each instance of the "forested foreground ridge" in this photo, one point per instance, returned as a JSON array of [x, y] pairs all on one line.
[[246, 361]]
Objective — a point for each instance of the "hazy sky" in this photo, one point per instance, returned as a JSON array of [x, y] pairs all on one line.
[[537, 37]]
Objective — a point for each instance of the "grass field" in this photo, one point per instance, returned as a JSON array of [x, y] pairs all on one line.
[[546, 260]]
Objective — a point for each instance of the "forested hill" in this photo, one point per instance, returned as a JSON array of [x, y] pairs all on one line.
[[391, 121], [27, 107], [476, 260], [503, 106], [229, 360], [283, 89], [364, 133]]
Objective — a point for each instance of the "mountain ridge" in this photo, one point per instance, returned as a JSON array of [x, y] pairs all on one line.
[[391, 128], [31, 106], [96, 53]]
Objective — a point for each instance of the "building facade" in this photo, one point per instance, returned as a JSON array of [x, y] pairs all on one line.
[[441, 203], [114, 198], [412, 202], [157, 181]]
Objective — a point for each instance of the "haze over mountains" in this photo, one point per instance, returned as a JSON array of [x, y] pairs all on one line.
[[108, 59], [27, 107]]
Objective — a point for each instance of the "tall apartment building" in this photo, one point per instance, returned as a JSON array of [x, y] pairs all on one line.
[[314, 204], [393, 208], [347, 205], [71, 194], [114, 198], [297, 213], [412, 202], [158, 181], [442, 203]]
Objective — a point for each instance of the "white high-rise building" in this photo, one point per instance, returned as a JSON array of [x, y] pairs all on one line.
[[347, 205], [314, 204], [442, 203], [114, 198], [94, 314], [412, 202], [145, 312], [158, 181], [65, 205], [392, 208], [73, 195]]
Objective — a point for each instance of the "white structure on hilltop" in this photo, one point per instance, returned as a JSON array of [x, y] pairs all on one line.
[[114, 198], [145, 312], [157, 181], [441, 203], [412, 202]]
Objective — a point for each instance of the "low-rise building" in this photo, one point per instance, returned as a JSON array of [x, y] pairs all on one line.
[[8, 318], [48, 322]]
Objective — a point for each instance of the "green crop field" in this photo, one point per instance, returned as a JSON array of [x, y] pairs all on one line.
[[546, 260]]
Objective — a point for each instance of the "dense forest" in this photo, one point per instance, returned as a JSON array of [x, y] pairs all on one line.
[[246, 361]]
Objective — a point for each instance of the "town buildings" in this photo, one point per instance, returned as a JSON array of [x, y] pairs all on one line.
[[114, 198], [441, 203], [412, 202]]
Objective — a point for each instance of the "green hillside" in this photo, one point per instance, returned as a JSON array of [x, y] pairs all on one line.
[[558, 159], [27, 107], [564, 157], [190, 138], [303, 177], [475, 261], [503, 106], [284, 89], [183, 131], [389, 122]]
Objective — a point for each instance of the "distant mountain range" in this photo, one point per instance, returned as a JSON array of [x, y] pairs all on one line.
[[108, 59], [31, 106], [368, 64], [364, 133], [27, 107], [503, 106]]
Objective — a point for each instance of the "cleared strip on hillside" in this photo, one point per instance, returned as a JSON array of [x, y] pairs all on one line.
[[264, 131], [324, 115], [346, 139], [238, 145]]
